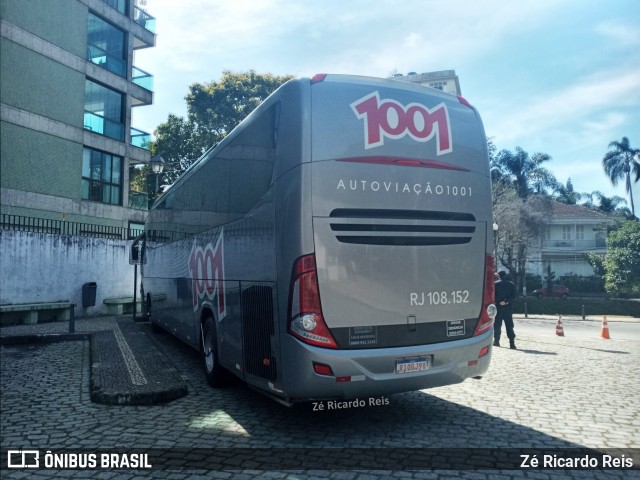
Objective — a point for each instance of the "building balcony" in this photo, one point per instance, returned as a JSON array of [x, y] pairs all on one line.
[[145, 20], [574, 245], [142, 79], [138, 200], [140, 139], [107, 61], [103, 126]]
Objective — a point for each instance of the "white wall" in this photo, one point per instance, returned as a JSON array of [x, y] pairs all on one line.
[[40, 267]]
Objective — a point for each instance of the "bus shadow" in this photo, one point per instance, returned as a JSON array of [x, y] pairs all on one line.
[[414, 431], [413, 421]]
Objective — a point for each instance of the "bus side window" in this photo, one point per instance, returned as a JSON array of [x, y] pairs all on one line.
[[252, 156]]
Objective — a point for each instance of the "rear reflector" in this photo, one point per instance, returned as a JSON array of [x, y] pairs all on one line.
[[321, 369]]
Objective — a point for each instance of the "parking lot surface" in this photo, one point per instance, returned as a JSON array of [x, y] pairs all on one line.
[[552, 394]]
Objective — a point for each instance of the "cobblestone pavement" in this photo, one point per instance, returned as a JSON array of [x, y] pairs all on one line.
[[554, 392]]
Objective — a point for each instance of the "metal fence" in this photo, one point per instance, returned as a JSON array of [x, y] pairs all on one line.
[[62, 227]]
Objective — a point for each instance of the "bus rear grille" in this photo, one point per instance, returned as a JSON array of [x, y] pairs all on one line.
[[258, 328], [402, 227]]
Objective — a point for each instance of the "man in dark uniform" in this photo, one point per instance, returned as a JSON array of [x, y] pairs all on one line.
[[505, 293]]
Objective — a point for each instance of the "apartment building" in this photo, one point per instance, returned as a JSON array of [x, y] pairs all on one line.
[[68, 84], [445, 80]]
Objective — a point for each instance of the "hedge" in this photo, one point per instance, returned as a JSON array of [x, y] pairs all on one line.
[[573, 306]]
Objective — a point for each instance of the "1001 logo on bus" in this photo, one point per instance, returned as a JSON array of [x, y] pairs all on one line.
[[389, 118], [206, 266]]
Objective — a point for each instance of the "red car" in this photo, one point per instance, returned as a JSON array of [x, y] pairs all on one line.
[[556, 291]]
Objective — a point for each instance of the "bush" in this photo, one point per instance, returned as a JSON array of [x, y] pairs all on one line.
[[573, 306], [532, 282], [577, 284]]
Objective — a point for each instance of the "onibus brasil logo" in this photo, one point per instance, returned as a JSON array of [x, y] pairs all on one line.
[[390, 119]]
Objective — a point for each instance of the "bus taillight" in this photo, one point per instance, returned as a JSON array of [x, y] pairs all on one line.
[[488, 312], [305, 312]]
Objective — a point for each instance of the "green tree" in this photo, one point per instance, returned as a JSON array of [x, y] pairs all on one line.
[[217, 107], [526, 174], [180, 142], [549, 278], [597, 263], [608, 205], [213, 110], [491, 149], [143, 180], [566, 193], [622, 262], [520, 224], [501, 183], [619, 163]]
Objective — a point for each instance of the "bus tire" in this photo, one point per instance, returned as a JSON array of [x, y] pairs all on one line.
[[209, 346]]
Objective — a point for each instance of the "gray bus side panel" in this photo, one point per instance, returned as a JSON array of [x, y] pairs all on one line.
[[249, 256]]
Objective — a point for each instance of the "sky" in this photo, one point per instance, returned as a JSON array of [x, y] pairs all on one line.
[[560, 77]]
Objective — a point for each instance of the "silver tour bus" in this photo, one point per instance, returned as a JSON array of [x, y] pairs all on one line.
[[337, 244]]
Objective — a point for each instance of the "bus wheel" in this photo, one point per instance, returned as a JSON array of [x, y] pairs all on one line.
[[209, 346]]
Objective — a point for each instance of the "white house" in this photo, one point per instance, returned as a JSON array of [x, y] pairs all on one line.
[[573, 231]]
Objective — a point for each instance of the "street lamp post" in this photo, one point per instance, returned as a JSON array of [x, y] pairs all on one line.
[[157, 166], [495, 245]]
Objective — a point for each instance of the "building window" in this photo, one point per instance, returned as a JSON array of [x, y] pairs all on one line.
[[103, 111], [106, 46], [438, 85], [579, 232], [566, 232], [101, 177]]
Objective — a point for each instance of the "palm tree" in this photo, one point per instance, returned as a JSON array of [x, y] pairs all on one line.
[[620, 162], [608, 205], [566, 194], [525, 173]]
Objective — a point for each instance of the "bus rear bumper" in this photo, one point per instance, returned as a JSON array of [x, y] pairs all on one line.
[[358, 374]]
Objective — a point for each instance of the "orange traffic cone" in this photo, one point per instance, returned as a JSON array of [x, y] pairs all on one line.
[[604, 331], [559, 327]]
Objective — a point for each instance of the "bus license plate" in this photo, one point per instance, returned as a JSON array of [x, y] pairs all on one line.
[[410, 365]]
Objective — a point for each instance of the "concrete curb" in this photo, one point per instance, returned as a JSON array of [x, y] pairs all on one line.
[[126, 367], [42, 338]]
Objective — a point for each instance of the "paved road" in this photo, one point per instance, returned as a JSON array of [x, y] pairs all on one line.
[[554, 392]]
